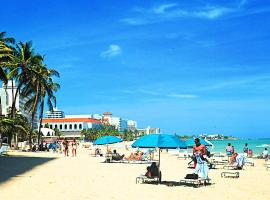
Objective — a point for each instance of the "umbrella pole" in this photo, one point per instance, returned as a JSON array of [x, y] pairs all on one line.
[[159, 174]]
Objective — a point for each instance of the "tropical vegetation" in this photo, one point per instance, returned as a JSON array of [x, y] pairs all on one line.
[[94, 133], [23, 67]]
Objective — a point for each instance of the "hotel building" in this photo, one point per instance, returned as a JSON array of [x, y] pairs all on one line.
[[71, 127], [55, 113]]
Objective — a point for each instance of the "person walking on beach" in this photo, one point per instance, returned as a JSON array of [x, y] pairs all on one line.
[[74, 148], [65, 144], [200, 149]]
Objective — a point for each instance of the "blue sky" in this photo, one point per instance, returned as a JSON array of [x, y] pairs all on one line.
[[188, 67]]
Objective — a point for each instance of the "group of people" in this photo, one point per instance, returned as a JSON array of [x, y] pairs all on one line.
[[73, 145], [230, 150]]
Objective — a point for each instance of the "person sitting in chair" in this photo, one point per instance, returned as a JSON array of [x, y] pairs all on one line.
[[116, 156], [152, 171]]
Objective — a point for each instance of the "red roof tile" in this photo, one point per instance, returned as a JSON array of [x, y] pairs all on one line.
[[62, 120]]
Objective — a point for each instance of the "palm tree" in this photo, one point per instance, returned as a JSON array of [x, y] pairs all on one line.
[[21, 66], [40, 87], [5, 51]]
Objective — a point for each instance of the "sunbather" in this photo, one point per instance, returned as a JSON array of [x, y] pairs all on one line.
[[135, 156]]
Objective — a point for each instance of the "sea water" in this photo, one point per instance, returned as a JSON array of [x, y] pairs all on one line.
[[257, 145]]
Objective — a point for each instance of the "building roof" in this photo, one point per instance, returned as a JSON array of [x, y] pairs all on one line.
[[107, 113], [59, 120]]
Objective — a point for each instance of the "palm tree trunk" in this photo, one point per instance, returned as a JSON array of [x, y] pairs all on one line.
[[33, 115], [40, 121]]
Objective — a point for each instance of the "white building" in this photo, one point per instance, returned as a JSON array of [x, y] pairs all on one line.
[[132, 125], [149, 130], [6, 93], [119, 123], [71, 126], [47, 132], [55, 113]]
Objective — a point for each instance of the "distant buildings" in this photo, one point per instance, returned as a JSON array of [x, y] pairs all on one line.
[[70, 127], [148, 130], [7, 93], [119, 123], [55, 113]]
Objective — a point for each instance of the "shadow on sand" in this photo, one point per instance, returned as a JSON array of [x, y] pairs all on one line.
[[175, 183], [14, 166]]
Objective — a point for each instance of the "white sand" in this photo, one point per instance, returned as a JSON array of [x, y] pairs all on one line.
[[86, 177]]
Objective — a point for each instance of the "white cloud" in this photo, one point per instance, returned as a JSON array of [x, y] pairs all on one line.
[[112, 51], [184, 96], [163, 8], [165, 12], [211, 13]]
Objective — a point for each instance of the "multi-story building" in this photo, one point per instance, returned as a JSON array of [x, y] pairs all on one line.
[[71, 127], [119, 123], [7, 93], [55, 113]]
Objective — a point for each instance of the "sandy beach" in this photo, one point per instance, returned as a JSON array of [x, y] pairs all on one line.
[[52, 176]]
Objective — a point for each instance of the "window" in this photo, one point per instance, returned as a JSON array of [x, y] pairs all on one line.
[[80, 126], [55, 126], [75, 126], [70, 126], [50, 126], [65, 126], [61, 127]]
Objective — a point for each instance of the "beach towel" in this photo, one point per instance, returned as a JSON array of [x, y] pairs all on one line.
[[201, 168]]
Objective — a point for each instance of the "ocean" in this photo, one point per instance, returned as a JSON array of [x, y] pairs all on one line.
[[257, 145]]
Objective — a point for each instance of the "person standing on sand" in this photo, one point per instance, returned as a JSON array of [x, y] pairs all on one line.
[[65, 144], [74, 148], [198, 148], [229, 150]]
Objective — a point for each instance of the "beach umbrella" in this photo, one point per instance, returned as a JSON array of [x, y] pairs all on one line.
[[161, 141], [190, 142], [107, 140]]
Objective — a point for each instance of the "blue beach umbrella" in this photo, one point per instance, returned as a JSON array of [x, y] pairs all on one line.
[[107, 140], [161, 141]]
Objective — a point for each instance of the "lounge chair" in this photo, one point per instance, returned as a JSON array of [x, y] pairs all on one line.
[[145, 179], [249, 163], [195, 182], [3, 149], [230, 174], [232, 167]]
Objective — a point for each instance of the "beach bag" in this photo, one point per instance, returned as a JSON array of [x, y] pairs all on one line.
[[192, 176]]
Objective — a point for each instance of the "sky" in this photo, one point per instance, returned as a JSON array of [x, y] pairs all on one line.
[[188, 67]]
